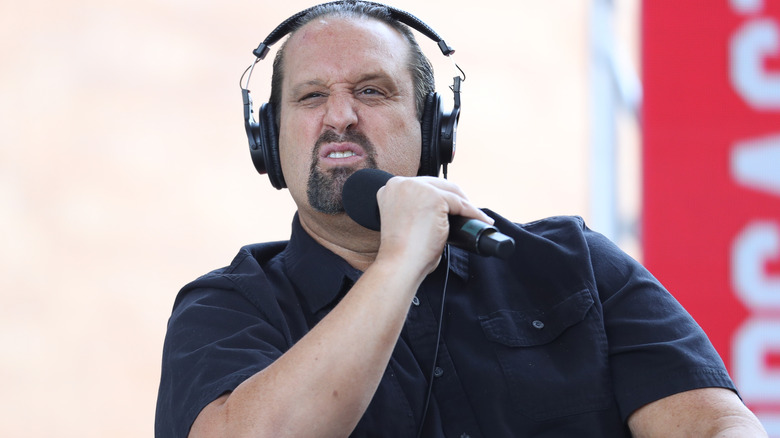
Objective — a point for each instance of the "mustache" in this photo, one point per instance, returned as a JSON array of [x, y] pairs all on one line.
[[349, 136]]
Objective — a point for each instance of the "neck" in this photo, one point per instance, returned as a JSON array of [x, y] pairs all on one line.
[[342, 236]]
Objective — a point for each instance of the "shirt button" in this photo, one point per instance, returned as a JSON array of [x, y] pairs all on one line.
[[416, 301], [538, 324], [437, 372]]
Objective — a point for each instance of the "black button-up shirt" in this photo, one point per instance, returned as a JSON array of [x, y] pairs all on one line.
[[568, 337]]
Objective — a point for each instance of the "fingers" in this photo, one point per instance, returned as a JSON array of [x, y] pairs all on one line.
[[420, 206], [415, 218], [456, 201]]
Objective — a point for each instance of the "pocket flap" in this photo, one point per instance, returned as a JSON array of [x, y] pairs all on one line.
[[536, 327]]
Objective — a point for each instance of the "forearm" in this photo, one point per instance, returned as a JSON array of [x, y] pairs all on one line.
[[705, 412], [324, 383]]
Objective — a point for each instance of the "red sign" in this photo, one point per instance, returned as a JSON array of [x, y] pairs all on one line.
[[711, 184]]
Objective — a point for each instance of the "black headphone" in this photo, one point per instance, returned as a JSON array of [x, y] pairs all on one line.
[[439, 128]]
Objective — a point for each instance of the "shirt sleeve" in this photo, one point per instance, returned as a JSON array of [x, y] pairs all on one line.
[[216, 339], [656, 348]]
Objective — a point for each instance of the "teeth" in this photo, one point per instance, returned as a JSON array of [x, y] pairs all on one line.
[[341, 154]]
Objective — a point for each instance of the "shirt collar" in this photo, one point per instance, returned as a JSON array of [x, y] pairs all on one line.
[[322, 276], [318, 273]]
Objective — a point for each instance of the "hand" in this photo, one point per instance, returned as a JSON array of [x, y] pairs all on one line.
[[414, 214]]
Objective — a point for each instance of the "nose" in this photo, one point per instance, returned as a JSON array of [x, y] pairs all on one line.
[[340, 113]]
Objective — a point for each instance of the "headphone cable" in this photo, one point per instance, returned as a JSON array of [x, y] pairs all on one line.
[[438, 341]]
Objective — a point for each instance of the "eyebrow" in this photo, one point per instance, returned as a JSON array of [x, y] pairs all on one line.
[[296, 89]]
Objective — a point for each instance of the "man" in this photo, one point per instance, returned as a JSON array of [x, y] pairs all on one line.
[[335, 332]]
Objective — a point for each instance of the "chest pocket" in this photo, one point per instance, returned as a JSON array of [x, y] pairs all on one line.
[[554, 360]]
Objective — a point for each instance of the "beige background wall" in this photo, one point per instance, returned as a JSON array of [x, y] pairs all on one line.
[[124, 172]]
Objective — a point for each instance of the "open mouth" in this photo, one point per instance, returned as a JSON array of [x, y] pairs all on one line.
[[341, 154]]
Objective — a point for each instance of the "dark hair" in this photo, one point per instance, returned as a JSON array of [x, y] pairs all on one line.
[[419, 65]]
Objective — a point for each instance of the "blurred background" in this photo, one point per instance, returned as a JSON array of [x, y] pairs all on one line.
[[124, 169]]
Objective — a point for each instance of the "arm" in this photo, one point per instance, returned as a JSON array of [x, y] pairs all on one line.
[[706, 412], [324, 383]]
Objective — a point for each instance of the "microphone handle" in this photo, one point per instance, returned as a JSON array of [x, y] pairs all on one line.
[[478, 237]]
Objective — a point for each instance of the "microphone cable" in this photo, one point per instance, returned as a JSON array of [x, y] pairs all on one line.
[[438, 341]]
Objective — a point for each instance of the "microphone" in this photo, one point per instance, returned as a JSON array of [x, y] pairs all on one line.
[[359, 198]]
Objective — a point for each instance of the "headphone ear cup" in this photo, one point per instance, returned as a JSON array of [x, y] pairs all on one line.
[[269, 143], [430, 127]]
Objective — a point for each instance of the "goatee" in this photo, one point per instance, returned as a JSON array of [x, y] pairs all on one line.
[[324, 188]]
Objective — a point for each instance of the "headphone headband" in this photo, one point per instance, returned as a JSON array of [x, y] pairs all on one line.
[[396, 14]]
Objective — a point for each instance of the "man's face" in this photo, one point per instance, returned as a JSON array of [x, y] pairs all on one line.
[[347, 103]]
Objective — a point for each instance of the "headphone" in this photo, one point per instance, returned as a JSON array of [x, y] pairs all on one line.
[[438, 127]]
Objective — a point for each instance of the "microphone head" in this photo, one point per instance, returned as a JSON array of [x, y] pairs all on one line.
[[359, 196]]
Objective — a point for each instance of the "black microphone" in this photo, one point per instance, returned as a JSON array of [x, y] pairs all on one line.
[[359, 198]]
